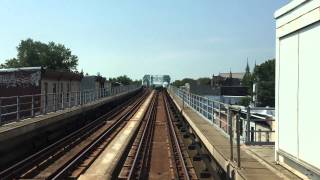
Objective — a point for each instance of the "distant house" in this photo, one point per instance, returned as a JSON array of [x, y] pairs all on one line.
[[227, 79], [226, 87], [95, 85], [37, 80], [49, 88]]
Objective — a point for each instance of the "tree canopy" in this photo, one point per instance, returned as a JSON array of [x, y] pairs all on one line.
[[35, 53], [182, 82], [124, 80], [264, 76]]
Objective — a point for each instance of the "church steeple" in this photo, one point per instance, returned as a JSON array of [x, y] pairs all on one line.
[[230, 74], [247, 68]]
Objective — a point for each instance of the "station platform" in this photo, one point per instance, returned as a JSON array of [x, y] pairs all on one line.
[[257, 162]]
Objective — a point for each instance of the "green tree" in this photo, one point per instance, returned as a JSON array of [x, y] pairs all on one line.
[[124, 79], [204, 81], [182, 82], [11, 63], [35, 53], [264, 76]]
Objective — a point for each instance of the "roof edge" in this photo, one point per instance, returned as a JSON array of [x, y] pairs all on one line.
[[288, 7]]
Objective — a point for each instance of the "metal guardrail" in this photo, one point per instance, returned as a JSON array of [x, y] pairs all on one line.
[[239, 124], [16, 108], [254, 129]]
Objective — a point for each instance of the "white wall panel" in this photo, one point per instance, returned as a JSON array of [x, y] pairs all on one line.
[[288, 95], [309, 88]]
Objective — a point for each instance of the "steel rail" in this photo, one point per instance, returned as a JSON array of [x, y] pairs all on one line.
[[83, 154], [51, 149], [174, 136], [146, 133]]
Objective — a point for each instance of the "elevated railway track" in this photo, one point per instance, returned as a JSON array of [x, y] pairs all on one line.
[[143, 138]]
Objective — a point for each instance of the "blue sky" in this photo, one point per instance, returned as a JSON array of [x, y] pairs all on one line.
[[182, 38]]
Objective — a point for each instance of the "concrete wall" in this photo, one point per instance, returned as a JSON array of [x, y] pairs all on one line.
[[297, 65]]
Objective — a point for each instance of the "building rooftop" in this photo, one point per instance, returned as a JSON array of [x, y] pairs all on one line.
[[234, 75], [20, 69]]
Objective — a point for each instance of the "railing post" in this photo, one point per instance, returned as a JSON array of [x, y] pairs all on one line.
[[213, 120], [220, 115], [238, 137], [183, 100], [76, 99], [208, 108], [248, 125], [32, 106], [229, 120], [18, 108], [69, 99], [55, 102], [62, 104]]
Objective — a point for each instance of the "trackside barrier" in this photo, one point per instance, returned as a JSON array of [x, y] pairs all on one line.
[[242, 124], [16, 108]]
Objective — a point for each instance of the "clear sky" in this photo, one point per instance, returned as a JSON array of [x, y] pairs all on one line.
[[182, 38]]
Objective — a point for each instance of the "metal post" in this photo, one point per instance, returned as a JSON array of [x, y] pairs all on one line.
[[230, 133], [213, 120], [45, 103], [62, 105], [32, 106], [248, 125], [238, 138], [220, 115], [55, 102], [69, 99], [76, 99], [18, 113], [182, 101], [208, 108]]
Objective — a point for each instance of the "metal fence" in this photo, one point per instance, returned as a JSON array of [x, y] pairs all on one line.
[[254, 128], [16, 108]]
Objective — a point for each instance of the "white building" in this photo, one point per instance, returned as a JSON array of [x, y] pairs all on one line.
[[297, 87]]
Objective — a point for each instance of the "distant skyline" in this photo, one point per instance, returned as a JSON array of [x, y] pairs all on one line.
[[182, 38]]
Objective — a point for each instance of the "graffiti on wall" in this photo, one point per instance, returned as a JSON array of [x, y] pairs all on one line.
[[20, 79]]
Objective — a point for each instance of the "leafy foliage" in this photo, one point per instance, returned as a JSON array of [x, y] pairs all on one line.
[[182, 82], [264, 75], [35, 53], [202, 81], [124, 80]]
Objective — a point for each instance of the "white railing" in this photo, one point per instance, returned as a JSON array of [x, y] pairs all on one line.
[[16, 108], [253, 129]]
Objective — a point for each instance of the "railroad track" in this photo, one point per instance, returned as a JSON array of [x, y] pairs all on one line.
[[73, 154], [158, 152]]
